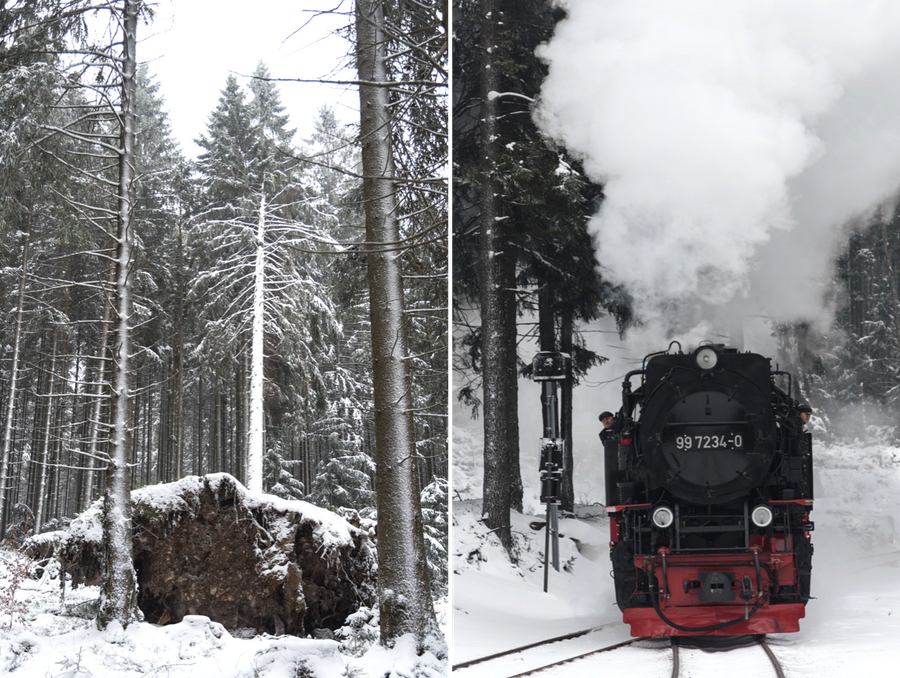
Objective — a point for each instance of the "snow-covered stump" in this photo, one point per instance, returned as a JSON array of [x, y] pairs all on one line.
[[208, 546]]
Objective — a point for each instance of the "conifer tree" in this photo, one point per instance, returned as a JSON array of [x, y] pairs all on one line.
[[345, 473], [264, 297], [274, 151], [520, 223]]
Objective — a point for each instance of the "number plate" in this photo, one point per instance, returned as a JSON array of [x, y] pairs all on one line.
[[730, 440]]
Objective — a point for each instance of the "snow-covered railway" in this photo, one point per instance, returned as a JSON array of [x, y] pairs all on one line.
[[566, 656], [538, 656], [732, 661]]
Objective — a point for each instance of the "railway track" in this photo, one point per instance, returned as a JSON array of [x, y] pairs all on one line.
[[775, 663], [759, 641], [494, 664], [490, 663]]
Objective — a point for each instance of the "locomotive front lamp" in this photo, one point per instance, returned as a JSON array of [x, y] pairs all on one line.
[[663, 517], [707, 358], [762, 516]]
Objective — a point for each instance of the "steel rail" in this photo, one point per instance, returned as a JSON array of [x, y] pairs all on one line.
[[545, 642], [516, 650], [760, 641], [775, 663], [676, 663], [572, 659]]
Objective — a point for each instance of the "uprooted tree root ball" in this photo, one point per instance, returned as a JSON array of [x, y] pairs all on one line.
[[207, 546]]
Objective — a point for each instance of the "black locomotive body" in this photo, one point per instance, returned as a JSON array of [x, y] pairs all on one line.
[[709, 489]]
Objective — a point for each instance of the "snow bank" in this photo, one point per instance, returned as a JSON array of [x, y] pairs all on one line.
[[194, 647], [332, 529], [61, 641], [498, 605]]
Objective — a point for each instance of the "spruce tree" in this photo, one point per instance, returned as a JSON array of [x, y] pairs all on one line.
[[268, 306], [535, 201]]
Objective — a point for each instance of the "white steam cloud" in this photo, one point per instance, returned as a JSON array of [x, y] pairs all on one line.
[[734, 138]]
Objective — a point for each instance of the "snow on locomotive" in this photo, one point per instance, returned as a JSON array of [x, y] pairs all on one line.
[[709, 489]]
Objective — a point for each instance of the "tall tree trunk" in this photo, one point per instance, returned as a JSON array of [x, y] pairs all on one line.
[[255, 438], [162, 429], [198, 450], [32, 471], [225, 425], [218, 433], [241, 411], [119, 591], [511, 379], [497, 384], [13, 381], [179, 383], [99, 392], [147, 433], [895, 309], [404, 592], [45, 443]]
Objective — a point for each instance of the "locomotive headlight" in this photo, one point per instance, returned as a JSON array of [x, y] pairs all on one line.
[[762, 516], [707, 358], [663, 517]]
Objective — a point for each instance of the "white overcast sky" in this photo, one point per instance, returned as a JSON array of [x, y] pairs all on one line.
[[193, 45]]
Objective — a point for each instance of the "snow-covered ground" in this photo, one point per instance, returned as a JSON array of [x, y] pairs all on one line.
[[49, 641], [852, 627], [47, 635]]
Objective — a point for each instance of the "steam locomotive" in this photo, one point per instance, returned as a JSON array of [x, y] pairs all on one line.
[[709, 489]]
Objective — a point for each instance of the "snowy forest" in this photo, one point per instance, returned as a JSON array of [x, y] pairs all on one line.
[[633, 173], [275, 309], [545, 289]]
